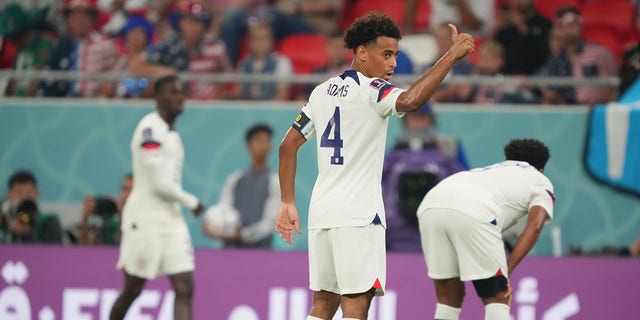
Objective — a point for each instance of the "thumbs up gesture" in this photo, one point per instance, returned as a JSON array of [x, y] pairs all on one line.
[[463, 43]]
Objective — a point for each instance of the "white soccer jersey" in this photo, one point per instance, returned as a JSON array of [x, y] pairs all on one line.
[[500, 194], [154, 203], [350, 113]]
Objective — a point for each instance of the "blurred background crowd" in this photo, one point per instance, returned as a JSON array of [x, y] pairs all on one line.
[[133, 42]]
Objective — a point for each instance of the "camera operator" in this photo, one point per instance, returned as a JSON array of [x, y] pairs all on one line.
[[100, 222], [20, 219]]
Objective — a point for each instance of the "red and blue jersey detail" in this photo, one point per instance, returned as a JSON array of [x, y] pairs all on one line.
[[383, 87], [384, 91], [148, 143], [553, 197]]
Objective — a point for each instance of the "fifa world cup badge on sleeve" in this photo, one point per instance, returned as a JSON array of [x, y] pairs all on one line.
[[147, 140]]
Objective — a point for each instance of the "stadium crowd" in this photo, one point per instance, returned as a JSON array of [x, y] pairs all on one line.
[[142, 40]]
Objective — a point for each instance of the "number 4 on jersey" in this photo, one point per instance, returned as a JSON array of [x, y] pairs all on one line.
[[336, 142]]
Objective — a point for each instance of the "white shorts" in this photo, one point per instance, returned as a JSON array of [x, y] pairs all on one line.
[[147, 255], [457, 245], [348, 260]]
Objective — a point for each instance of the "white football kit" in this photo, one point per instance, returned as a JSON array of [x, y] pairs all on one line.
[[349, 113], [462, 218], [155, 236]]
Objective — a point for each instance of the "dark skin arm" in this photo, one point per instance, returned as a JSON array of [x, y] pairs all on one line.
[[537, 217], [423, 89], [288, 218]]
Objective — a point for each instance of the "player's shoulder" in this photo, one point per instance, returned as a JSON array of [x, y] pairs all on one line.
[[151, 127], [153, 119]]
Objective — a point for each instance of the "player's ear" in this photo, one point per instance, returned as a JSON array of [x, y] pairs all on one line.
[[362, 54]]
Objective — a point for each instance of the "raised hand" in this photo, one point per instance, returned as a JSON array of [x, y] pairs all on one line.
[[463, 43]]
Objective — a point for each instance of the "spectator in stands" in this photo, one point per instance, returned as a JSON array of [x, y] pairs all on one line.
[[82, 49], [491, 62], [191, 49], [101, 215], [21, 28], [263, 59], [524, 34], [449, 92], [24, 221], [472, 16], [237, 20], [404, 65], [420, 134], [339, 60], [137, 34], [255, 193], [322, 15], [420, 158], [577, 58]]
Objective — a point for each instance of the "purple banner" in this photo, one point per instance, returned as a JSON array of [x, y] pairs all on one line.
[[81, 283]]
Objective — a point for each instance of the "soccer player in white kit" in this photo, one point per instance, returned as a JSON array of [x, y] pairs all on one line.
[[461, 221], [155, 237], [350, 113]]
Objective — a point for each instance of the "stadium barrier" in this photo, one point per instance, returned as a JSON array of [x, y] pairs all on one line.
[[79, 147], [402, 80], [48, 283]]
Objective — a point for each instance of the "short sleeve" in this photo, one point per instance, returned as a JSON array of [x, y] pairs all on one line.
[[382, 97], [544, 196]]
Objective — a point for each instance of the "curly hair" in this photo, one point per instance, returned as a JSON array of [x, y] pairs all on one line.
[[366, 30], [531, 151]]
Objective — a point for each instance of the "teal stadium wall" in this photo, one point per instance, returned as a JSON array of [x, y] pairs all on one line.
[[78, 148]]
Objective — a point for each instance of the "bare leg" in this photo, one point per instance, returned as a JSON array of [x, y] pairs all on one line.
[[357, 305], [325, 304], [132, 288], [635, 248], [182, 284], [450, 291]]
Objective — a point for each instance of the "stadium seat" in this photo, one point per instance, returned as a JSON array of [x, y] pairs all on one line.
[[607, 37], [307, 52], [619, 15], [393, 8], [610, 23], [422, 19], [548, 8]]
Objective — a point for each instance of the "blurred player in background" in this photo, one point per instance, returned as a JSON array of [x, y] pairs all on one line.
[[155, 237], [347, 263], [461, 221]]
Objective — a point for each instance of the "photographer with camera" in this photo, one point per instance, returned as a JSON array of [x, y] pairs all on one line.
[[20, 219], [100, 222]]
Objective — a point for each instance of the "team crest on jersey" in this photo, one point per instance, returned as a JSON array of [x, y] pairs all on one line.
[[147, 140]]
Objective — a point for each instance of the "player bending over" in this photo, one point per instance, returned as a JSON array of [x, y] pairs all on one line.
[[461, 221]]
